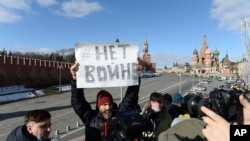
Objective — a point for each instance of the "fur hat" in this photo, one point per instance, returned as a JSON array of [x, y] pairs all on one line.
[[103, 97]]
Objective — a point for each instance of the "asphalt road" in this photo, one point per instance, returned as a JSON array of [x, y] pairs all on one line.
[[66, 124]]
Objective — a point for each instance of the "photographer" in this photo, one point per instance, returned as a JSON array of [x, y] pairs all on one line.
[[217, 128], [221, 108]]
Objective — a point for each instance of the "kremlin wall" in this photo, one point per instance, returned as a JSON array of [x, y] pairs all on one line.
[[32, 72]]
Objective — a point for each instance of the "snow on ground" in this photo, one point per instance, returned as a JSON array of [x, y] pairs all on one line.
[[13, 89], [13, 93], [17, 96]]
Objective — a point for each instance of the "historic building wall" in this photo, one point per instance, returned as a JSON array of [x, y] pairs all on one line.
[[29, 71], [207, 61]]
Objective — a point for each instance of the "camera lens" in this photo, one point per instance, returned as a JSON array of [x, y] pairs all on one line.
[[191, 103], [224, 102]]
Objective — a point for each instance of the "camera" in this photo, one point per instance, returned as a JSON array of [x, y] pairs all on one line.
[[223, 102], [130, 126]]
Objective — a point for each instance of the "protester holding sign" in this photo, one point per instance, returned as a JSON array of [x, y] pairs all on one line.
[[98, 122]]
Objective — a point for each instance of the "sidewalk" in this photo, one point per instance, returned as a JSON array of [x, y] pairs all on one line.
[[13, 93], [79, 139]]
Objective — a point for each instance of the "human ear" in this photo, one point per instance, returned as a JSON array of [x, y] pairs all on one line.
[[29, 128]]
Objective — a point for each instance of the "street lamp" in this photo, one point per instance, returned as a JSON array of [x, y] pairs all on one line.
[[121, 94], [193, 79], [245, 36], [180, 77], [180, 82], [60, 78]]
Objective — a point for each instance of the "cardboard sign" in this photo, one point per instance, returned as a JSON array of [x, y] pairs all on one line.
[[106, 64]]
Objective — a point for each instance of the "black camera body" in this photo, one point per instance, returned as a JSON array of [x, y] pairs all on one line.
[[130, 126], [223, 102]]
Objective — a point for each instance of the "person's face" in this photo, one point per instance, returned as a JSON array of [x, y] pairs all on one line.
[[41, 129], [105, 108], [156, 106]]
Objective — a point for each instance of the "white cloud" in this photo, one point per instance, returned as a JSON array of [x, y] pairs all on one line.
[[79, 8], [25, 49], [46, 3], [15, 4], [229, 13], [11, 10], [8, 17]]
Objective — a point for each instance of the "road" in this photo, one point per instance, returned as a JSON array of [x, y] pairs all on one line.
[[66, 124]]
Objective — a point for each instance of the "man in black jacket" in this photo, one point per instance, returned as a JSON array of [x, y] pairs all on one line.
[[99, 122], [37, 127]]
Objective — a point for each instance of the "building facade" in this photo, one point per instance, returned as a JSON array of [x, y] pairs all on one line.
[[145, 58], [207, 62]]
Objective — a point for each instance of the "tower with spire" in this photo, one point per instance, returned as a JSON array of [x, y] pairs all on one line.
[[146, 58], [145, 53]]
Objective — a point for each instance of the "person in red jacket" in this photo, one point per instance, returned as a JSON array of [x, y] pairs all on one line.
[[99, 122]]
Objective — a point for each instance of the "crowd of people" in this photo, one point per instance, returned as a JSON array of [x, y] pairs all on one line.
[[158, 115], [164, 117]]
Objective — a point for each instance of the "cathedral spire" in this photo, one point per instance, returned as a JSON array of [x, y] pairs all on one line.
[[203, 47], [145, 49], [204, 36]]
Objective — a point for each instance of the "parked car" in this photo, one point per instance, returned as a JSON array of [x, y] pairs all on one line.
[[147, 74], [196, 92], [195, 75], [222, 78], [205, 81], [156, 74], [230, 81], [199, 88]]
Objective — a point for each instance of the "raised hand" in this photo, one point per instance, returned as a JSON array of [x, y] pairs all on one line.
[[74, 69]]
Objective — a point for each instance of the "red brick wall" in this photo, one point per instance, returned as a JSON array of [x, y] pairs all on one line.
[[30, 71]]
